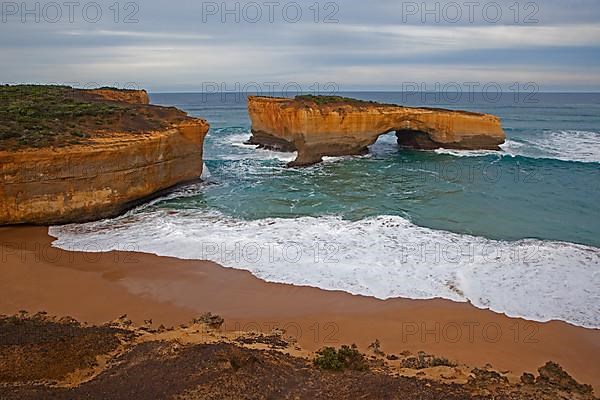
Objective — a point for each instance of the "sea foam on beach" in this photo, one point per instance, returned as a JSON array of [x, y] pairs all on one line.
[[384, 257], [394, 223]]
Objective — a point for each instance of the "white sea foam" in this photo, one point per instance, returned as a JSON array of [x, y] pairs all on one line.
[[571, 145], [205, 173], [582, 146], [239, 140], [472, 153], [384, 256]]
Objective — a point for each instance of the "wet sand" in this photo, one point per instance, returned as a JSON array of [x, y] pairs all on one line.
[[99, 287]]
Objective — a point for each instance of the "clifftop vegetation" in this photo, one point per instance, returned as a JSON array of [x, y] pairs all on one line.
[[34, 116]]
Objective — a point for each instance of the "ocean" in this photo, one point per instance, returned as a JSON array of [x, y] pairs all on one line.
[[517, 232]]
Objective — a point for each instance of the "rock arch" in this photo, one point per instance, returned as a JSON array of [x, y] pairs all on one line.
[[347, 127]]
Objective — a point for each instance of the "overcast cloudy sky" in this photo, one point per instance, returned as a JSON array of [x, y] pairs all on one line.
[[357, 44]]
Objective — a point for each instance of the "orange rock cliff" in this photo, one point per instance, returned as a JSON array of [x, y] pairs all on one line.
[[103, 177], [336, 127]]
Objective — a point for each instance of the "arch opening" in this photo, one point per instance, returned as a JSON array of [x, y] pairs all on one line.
[[415, 139]]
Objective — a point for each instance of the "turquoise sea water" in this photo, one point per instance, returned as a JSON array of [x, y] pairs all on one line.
[[496, 229], [550, 189]]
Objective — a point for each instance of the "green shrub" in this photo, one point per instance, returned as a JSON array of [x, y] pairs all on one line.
[[347, 357], [424, 360], [321, 100]]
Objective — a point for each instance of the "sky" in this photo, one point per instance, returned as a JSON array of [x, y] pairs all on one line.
[[327, 46]]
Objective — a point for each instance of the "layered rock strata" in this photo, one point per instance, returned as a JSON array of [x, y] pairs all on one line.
[[105, 174], [316, 127]]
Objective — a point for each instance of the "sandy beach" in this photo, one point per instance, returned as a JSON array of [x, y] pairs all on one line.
[[100, 287]]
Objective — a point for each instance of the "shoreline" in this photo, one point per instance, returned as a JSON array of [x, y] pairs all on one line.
[[100, 287]]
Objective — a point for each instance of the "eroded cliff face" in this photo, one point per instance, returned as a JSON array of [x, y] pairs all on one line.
[[100, 179], [348, 127]]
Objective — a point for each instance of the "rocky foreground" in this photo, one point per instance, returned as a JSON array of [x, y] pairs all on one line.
[[43, 357], [70, 155], [317, 126]]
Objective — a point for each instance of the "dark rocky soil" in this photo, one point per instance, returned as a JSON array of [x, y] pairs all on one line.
[[36, 348], [37, 354]]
